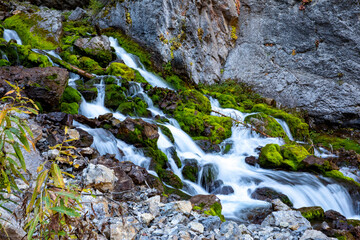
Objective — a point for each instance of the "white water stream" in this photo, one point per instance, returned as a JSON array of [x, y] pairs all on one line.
[[303, 189]]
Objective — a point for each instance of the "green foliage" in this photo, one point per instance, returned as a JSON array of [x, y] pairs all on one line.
[[195, 100], [176, 82], [130, 46], [120, 69], [4, 62], [25, 26], [95, 6], [70, 101]]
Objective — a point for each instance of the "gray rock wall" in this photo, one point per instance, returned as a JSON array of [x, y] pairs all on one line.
[[196, 34], [308, 59]]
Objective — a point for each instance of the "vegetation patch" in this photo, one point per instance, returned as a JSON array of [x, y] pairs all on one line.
[[70, 101]]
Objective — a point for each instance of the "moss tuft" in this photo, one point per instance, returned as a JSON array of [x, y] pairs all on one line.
[[70, 108], [120, 69], [134, 107], [312, 213], [71, 95], [114, 96]]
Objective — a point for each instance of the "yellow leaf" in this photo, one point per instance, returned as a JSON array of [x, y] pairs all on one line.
[[57, 176], [293, 52]]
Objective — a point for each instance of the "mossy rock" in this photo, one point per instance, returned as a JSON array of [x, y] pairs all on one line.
[[90, 65], [70, 108], [176, 82], [71, 95], [337, 175], [1, 31], [299, 129], [159, 159], [191, 170], [138, 78], [288, 156], [25, 26], [120, 69], [267, 125], [210, 173], [134, 107], [170, 178], [215, 210], [333, 142], [166, 131], [23, 54], [193, 99], [114, 96], [312, 213]]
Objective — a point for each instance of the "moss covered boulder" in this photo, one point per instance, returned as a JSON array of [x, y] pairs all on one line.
[[208, 204], [70, 101], [288, 156], [171, 179], [312, 213], [120, 69], [88, 91], [266, 124], [114, 96], [90, 65], [134, 107], [97, 48]]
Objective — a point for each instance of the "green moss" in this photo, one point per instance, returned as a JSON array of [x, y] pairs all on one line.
[[1, 31], [4, 62], [38, 104], [120, 69], [70, 58], [195, 100], [130, 46], [339, 176], [335, 143], [288, 156], [134, 107], [114, 96], [299, 129], [90, 65], [267, 125], [312, 213], [71, 95], [70, 108], [138, 77], [176, 82], [170, 178], [103, 57], [29, 34], [215, 210], [190, 172]]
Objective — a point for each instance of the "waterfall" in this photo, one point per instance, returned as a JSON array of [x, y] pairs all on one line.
[[303, 189], [286, 128], [12, 35]]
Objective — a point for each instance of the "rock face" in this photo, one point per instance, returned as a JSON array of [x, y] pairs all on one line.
[[51, 22], [61, 4], [44, 85], [195, 35], [301, 58]]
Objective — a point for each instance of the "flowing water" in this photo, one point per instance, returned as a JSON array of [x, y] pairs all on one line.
[[303, 189], [12, 35]]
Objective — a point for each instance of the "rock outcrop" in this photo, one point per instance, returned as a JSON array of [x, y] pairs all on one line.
[[302, 58], [195, 36]]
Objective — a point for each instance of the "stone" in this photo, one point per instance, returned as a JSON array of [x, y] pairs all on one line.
[[53, 153], [210, 173], [10, 228], [99, 177], [294, 219], [278, 205], [96, 47], [44, 85], [314, 235], [85, 140], [197, 227], [206, 201], [210, 223], [147, 218], [73, 134], [126, 230], [77, 14], [51, 22], [153, 204], [184, 207], [282, 62], [229, 229]]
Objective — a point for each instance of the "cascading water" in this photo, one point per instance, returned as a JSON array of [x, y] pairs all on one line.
[[12, 35], [303, 189]]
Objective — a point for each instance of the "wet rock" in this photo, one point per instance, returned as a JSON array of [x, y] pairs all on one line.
[[209, 175], [93, 123], [207, 146], [251, 160], [138, 174], [312, 213], [318, 164], [77, 14], [44, 85], [85, 139], [191, 169], [278, 205], [138, 132], [268, 194], [55, 118], [224, 190], [99, 177]]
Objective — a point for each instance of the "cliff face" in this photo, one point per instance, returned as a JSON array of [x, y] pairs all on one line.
[[302, 58], [195, 35]]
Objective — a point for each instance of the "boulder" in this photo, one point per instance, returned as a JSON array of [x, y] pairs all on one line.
[[191, 169], [51, 23], [77, 14], [99, 177], [314, 234], [85, 139], [268, 194], [97, 48], [43, 85], [301, 58], [207, 146], [293, 219], [209, 175]]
